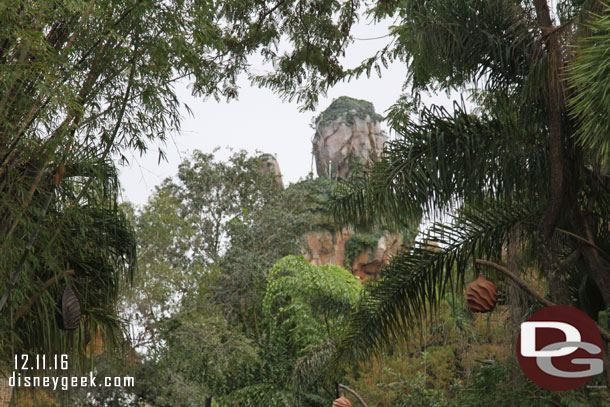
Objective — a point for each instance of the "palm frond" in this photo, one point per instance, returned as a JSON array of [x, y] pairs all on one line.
[[413, 283], [310, 370], [460, 42], [445, 160], [588, 80]]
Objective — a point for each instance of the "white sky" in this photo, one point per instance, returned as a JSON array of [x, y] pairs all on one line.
[[260, 120]]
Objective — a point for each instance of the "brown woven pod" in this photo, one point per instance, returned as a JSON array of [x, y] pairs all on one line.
[[70, 310], [481, 295], [342, 402]]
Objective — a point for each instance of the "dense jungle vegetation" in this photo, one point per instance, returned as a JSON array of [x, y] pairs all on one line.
[[202, 294]]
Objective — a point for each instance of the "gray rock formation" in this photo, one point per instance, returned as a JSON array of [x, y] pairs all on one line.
[[348, 133]]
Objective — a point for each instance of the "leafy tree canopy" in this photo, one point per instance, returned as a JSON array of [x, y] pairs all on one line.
[[518, 170], [82, 82]]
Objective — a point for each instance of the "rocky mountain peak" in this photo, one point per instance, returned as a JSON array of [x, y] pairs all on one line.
[[271, 166], [348, 133]]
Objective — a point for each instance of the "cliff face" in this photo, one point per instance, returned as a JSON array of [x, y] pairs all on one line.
[[348, 133], [362, 254]]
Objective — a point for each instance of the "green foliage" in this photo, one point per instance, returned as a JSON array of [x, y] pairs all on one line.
[[499, 384], [215, 195], [437, 164], [494, 384], [82, 82], [93, 238], [358, 244], [413, 284], [212, 246], [588, 78], [302, 301], [509, 163], [202, 355], [451, 44], [104, 365], [227, 219], [416, 394], [347, 108], [261, 395], [315, 195], [458, 358], [304, 307]]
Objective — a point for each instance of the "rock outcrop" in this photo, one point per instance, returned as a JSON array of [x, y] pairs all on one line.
[[362, 254], [271, 166], [348, 133]]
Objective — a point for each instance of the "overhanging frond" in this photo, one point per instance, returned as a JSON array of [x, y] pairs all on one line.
[[588, 80], [459, 42], [412, 285], [445, 160]]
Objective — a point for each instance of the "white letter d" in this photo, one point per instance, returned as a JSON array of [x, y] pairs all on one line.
[[528, 338]]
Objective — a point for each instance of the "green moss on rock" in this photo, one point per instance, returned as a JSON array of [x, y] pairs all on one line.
[[314, 195], [348, 108], [359, 244]]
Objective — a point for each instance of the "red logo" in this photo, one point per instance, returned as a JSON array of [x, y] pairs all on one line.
[[560, 348]]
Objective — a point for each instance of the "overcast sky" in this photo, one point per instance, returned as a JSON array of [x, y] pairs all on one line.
[[260, 121]]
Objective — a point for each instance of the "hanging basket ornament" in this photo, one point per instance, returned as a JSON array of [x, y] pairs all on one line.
[[70, 315], [342, 402], [481, 295]]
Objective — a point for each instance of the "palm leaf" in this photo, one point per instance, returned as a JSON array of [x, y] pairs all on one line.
[[311, 369], [588, 80], [415, 280], [445, 160], [459, 42]]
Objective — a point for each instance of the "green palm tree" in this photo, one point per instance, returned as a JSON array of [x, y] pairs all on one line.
[[517, 164]]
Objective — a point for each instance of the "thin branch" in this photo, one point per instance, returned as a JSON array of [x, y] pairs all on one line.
[[344, 387], [523, 285], [577, 237], [266, 14]]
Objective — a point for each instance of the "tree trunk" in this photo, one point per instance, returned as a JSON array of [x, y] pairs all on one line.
[[555, 101], [598, 267]]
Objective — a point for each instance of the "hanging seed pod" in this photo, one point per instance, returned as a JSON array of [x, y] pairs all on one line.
[[481, 295], [342, 402], [70, 310]]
